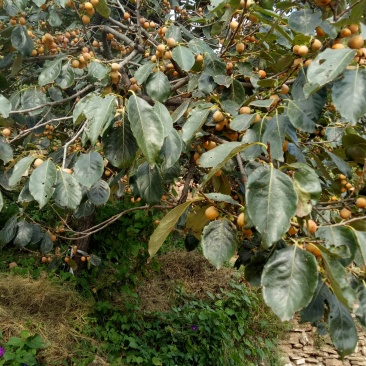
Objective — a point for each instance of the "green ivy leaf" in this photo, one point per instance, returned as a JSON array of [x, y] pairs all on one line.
[[88, 169], [349, 94], [41, 182], [183, 57], [158, 87], [21, 41], [289, 280], [50, 71], [270, 197], [218, 242], [67, 191], [147, 128]]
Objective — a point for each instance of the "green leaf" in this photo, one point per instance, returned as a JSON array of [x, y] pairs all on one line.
[[338, 240], [206, 83], [164, 116], [265, 103], [165, 226], [179, 111], [35, 342], [174, 32], [213, 65], [1, 201], [147, 128], [218, 242], [46, 243], [41, 182], [274, 135], [97, 71], [120, 146], [8, 231], [31, 98], [67, 191], [271, 198], [361, 245], [81, 108], [99, 193], [24, 234], [84, 210], [66, 77], [89, 168], [99, 112], [305, 20], [341, 165], [21, 41], [360, 312], [195, 121], [349, 94], [184, 57], [242, 122], [149, 183], [50, 72], [158, 87], [297, 112], [103, 9], [6, 151], [143, 72], [308, 188], [20, 169], [5, 106], [253, 136], [219, 197], [235, 93], [326, 67], [342, 328], [171, 150], [337, 277], [289, 280]]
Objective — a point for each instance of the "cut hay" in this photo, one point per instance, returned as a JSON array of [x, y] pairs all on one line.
[[42, 307], [188, 271]]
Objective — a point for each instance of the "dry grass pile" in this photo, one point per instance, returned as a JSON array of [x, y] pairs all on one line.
[[188, 270], [42, 307]]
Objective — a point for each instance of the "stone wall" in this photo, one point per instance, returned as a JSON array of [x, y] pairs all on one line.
[[303, 347]]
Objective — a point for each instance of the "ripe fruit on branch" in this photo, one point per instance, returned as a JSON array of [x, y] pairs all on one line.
[[353, 28], [356, 42], [218, 116], [115, 66], [171, 42], [37, 162], [312, 226], [233, 25], [240, 220], [240, 47], [303, 50], [6, 132], [316, 45], [262, 74], [345, 213], [361, 202], [211, 213], [244, 110]]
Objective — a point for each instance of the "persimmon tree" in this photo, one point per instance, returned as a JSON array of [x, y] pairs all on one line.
[[257, 108]]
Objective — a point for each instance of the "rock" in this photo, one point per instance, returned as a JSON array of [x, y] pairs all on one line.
[[304, 340], [363, 351], [297, 346], [312, 361], [333, 362], [301, 361]]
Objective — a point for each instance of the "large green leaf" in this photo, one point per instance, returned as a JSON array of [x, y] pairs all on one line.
[[103, 9], [342, 328], [305, 21], [271, 201], [339, 283], [6, 151], [179, 111], [158, 87], [5, 106], [183, 57], [8, 231], [31, 98], [20, 168], [219, 197], [338, 240], [308, 188], [99, 193], [144, 71], [67, 191], [297, 112], [149, 183], [360, 312], [99, 112], [164, 116], [235, 92], [289, 280], [195, 121], [51, 70], [274, 135], [24, 234], [171, 150], [165, 226], [97, 71], [66, 77], [253, 135], [341, 164], [213, 65], [349, 94], [218, 242], [42, 181], [46, 243], [84, 210], [88, 169], [21, 40], [147, 128], [120, 145], [361, 245], [242, 122], [326, 67]]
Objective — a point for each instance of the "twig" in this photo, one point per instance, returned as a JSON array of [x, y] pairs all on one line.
[[244, 176], [347, 222], [191, 168], [70, 142]]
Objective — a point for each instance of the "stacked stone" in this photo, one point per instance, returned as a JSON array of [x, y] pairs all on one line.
[[299, 349]]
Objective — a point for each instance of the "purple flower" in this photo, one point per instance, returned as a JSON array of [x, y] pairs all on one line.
[[2, 351], [194, 327]]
